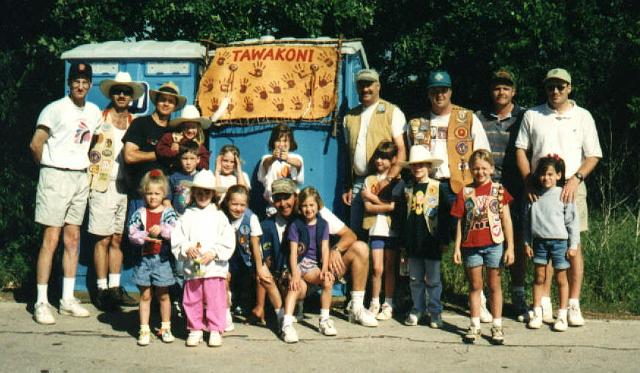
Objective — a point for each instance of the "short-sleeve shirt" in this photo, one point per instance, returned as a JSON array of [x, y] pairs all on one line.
[[333, 222], [70, 131], [254, 225], [479, 232], [279, 170], [311, 252]]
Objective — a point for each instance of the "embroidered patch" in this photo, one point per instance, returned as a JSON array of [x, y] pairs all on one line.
[[462, 147], [107, 153], [494, 206], [94, 156], [94, 169], [495, 229], [461, 132], [462, 115]]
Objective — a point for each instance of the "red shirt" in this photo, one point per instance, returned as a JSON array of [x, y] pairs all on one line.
[[479, 232], [152, 247]]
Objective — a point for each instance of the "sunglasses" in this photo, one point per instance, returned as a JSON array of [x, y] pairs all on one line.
[[117, 91], [280, 197], [552, 87]]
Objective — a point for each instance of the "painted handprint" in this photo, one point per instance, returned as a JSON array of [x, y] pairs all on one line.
[[222, 57], [299, 69], [325, 79], [258, 68], [288, 78], [225, 85], [278, 103], [297, 104], [244, 85], [308, 89], [324, 57], [326, 102], [275, 87], [230, 106], [215, 104], [261, 92], [207, 84], [248, 104]]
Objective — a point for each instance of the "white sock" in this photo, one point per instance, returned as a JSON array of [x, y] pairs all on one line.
[[102, 283], [68, 283], [483, 299], [574, 302], [324, 314], [537, 311], [287, 320], [42, 293], [165, 325], [389, 301], [475, 321], [114, 280], [562, 314], [145, 328], [357, 299], [375, 301], [545, 302], [497, 323], [279, 313]]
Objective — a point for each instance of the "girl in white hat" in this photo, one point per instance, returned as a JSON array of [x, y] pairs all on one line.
[[189, 127]]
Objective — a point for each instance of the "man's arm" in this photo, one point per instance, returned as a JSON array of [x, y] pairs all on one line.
[[523, 164], [37, 142], [347, 238], [133, 154]]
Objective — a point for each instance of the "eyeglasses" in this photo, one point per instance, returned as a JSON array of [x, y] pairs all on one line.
[[117, 91], [280, 196], [78, 83], [552, 87]]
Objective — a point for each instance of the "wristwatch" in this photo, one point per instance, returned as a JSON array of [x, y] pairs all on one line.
[[579, 176]]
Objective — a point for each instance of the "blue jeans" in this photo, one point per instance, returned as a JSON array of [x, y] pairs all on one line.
[[488, 256], [357, 207], [421, 286]]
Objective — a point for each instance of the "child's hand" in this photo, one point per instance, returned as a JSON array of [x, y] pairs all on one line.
[[529, 251], [218, 164], [193, 252], [457, 256], [294, 284], [264, 277], [207, 257], [175, 147], [238, 165], [572, 252], [276, 153], [509, 257], [326, 276], [154, 231], [284, 155]]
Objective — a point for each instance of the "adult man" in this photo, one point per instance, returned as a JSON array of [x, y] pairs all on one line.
[[108, 198], [60, 145], [346, 254], [501, 123], [561, 127], [373, 121]]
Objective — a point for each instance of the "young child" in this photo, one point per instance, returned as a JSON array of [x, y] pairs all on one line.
[[150, 227], [191, 126], [281, 163], [178, 196], [483, 226], [378, 220], [309, 243], [426, 234], [203, 240], [552, 227], [228, 169]]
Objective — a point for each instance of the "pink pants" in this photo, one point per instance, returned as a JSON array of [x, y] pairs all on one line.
[[212, 292]]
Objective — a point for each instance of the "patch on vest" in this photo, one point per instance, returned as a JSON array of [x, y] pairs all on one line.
[[94, 156], [461, 132], [462, 147]]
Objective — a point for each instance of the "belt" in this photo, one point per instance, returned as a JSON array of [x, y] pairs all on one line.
[[62, 169]]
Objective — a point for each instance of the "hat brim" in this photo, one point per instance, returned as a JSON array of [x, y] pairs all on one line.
[[106, 85], [153, 96], [435, 162], [204, 122], [557, 78], [191, 184]]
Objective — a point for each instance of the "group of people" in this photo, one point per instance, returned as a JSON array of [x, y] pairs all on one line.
[[501, 184]]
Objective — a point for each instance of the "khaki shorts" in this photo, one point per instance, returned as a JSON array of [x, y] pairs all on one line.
[[107, 211], [581, 206], [61, 197]]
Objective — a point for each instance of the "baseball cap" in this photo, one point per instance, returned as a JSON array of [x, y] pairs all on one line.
[[503, 76], [367, 75], [558, 73], [283, 186], [80, 70], [439, 78]]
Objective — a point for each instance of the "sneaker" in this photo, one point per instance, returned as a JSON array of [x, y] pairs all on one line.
[[102, 301], [144, 338], [436, 321], [166, 336], [326, 328], [73, 308], [289, 334], [473, 333], [485, 315], [363, 317], [120, 297], [412, 319], [574, 315], [194, 338], [386, 313], [374, 309], [560, 325], [43, 315], [215, 339], [535, 322], [230, 327], [497, 337], [547, 314]]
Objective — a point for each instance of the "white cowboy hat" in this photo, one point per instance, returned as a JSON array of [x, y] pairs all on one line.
[[204, 179], [171, 89], [420, 154], [191, 114], [122, 79]]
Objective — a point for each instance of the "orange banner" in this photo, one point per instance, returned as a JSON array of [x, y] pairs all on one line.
[[270, 81]]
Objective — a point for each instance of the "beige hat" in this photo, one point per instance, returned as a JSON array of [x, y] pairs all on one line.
[[122, 79], [420, 154], [558, 73], [283, 186], [367, 75], [171, 89], [191, 114], [204, 179]]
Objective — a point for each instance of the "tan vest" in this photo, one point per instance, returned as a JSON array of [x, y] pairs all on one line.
[[102, 156], [493, 208], [429, 206], [379, 127], [459, 147]]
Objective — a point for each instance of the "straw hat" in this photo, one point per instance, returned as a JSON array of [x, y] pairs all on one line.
[[191, 114], [171, 89], [122, 79], [204, 179], [420, 154]]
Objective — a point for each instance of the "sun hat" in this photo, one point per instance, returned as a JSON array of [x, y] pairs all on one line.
[[420, 154], [558, 73], [283, 186], [367, 75], [439, 78], [122, 79], [205, 179], [191, 114], [171, 89]]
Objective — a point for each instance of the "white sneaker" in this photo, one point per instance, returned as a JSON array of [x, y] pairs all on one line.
[[374, 309], [485, 315], [73, 308], [560, 325], [363, 317], [547, 313], [194, 338], [327, 328], [575, 315], [230, 327], [289, 334], [472, 334], [166, 336], [412, 319], [43, 315], [535, 322], [386, 313], [144, 338], [435, 321], [215, 339]]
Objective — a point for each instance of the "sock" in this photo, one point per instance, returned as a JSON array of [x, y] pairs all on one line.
[[389, 301], [145, 328], [497, 323], [357, 300], [574, 302], [324, 314], [101, 283], [483, 299], [42, 293], [562, 314], [287, 320], [114, 280], [375, 301], [165, 325], [475, 322], [546, 302], [537, 311], [68, 283]]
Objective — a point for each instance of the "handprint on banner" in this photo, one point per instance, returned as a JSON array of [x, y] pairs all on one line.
[[225, 84], [248, 104], [278, 103], [326, 102], [325, 79], [308, 89], [275, 87], [223, 56], [258, 69], [230, 106], [261, 92], [326, 59], [215, 104], [244, 85], [207, 84], [288, 78], [297, 104], [299, 69]]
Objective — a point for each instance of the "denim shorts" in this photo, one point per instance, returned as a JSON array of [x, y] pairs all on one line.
[[153, 270], [556, 250], [488, 256], [378, 242]]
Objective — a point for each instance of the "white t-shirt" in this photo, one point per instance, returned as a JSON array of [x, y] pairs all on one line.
[[278, 170], [571, 135], [398, 127], [231, 180], [439, 130], [70, 131], [335, 224], [254, 224], [381, 225]]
